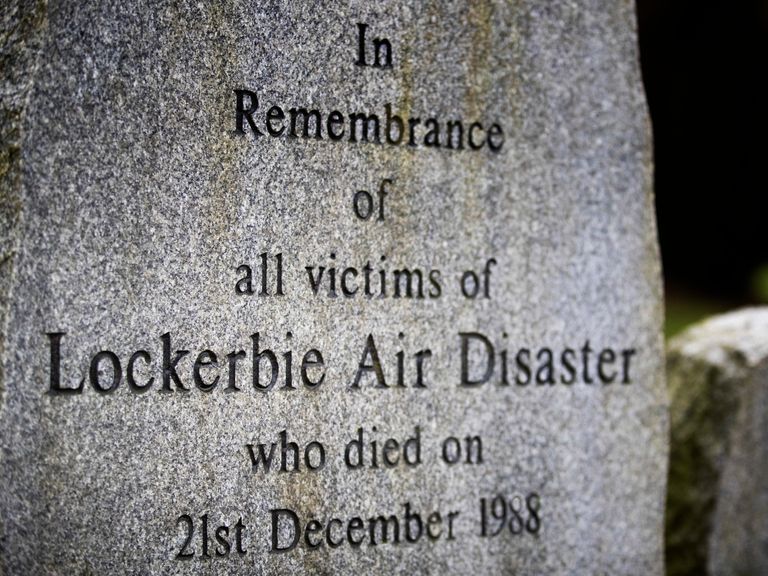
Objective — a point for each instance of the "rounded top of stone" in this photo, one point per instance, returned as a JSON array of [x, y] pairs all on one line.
[[716, 339]]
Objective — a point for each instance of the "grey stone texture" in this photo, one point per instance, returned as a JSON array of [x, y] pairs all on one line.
[[717, 517], [135, 200]]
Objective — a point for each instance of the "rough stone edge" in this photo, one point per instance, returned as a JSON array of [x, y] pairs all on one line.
[[653, 270], [705, 366], [22, 24]]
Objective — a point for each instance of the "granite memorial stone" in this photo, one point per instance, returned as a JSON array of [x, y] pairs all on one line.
[[328, 288]]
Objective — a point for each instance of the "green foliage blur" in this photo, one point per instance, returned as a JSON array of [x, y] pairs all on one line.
[[684, 308]]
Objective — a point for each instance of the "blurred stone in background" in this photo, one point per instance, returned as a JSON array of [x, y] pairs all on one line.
[[717, 503]]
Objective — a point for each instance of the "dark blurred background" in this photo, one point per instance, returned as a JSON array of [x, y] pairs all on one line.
[[705, 67]]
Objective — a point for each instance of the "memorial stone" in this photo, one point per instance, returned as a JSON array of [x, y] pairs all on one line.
[[319, 287]]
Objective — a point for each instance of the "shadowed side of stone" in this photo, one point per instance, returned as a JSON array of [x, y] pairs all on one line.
[[21, 24], [716, 504]]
